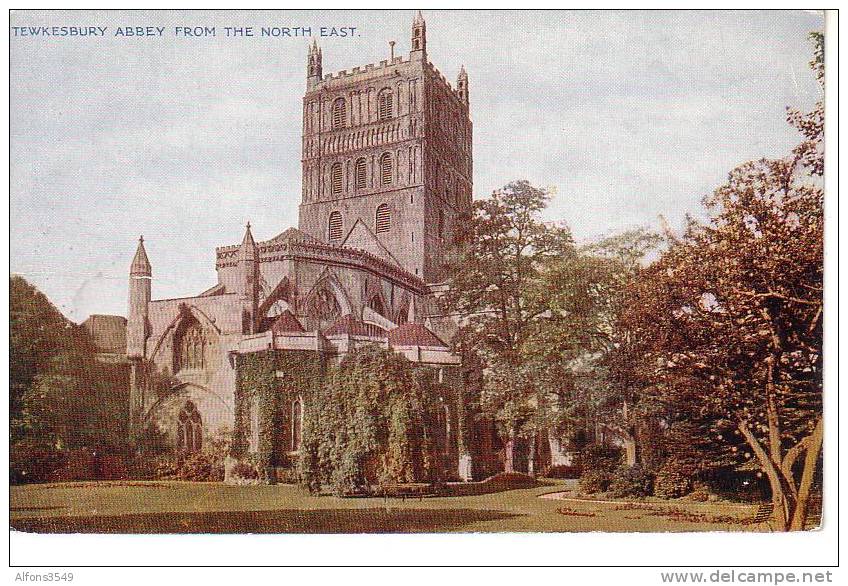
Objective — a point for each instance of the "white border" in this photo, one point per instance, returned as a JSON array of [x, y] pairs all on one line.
[[813, 548]]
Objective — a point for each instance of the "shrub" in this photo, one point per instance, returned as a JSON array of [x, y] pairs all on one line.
[[674, 480], [595, 481], [245, 470], [511, 479], [599, 457], [563, 471], [31, 460], [632, 481], [598, 464]]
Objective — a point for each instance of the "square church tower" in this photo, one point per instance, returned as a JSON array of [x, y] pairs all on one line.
[[387, 145]]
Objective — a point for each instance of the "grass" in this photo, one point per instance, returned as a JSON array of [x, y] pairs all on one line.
[[188, 507]]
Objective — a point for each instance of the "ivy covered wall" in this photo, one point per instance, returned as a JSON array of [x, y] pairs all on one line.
[[301, 374]]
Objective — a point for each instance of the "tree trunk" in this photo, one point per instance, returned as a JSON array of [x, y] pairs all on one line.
[[799, 516], [531, 459], [629, 450], [509, 453], [778, 494]]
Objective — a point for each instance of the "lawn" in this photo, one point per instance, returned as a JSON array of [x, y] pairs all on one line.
[[190, 507]]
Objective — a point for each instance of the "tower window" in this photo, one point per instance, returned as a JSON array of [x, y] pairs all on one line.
[[385, 105], [339, 113], [360, 174], [386, 169], [383, 220], [334, 226], [336, 178]]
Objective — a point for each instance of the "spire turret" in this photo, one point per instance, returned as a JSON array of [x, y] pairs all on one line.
[[248, 249], [462, 84], [141, 264], [419, 38], [314, 68], [249, 280]]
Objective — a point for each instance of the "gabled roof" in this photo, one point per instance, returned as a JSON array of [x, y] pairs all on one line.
[[285, 323], [108, 332], [347, 324], [295, 235], [412, 334], [361, 237]]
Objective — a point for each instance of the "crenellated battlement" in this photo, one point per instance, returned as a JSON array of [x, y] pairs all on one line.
[[370, 68]]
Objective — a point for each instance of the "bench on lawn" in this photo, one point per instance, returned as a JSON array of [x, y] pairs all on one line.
[[406, 490]]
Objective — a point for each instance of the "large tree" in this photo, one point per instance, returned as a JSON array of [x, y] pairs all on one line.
[[529, 300], [733, 311]]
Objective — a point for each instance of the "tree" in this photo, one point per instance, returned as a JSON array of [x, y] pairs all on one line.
[[733, 309], [494, 284], [61, 397], [529, 302]]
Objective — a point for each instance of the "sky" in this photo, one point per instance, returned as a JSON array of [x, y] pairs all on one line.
[[626, 116]]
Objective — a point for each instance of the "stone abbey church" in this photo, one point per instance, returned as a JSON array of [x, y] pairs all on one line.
[[387, 173]]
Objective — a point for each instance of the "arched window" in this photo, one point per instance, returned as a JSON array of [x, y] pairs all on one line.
[[189, 429], [334, 226], [383, 219], [296, 425], [386, 169], [336, 178], [360, 174], [377, 305], [385, 105], [339, 113], [323, 306], [190, 347]]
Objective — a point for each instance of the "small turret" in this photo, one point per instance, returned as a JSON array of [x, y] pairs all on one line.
[[139, 298], [462, 85], [248, 265], [314, 68], [419, 38]]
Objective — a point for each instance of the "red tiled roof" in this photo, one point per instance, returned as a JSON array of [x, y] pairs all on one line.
[[412, 334], [286, 322], [353, 327]]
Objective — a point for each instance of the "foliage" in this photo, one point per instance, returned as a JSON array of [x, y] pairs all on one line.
[[206, 465], [532, 301], [60, 395], [371, 424], [598, 464], [599, 457], [258, 382], [673, 479], [563, 471], [632, 481], [725, 328], [595, 481]]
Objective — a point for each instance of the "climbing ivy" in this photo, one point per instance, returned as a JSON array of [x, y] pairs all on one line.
[[300, 372], [371, 423]]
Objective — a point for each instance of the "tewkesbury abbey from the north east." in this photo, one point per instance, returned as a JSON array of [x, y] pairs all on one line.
[[386, 175]]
